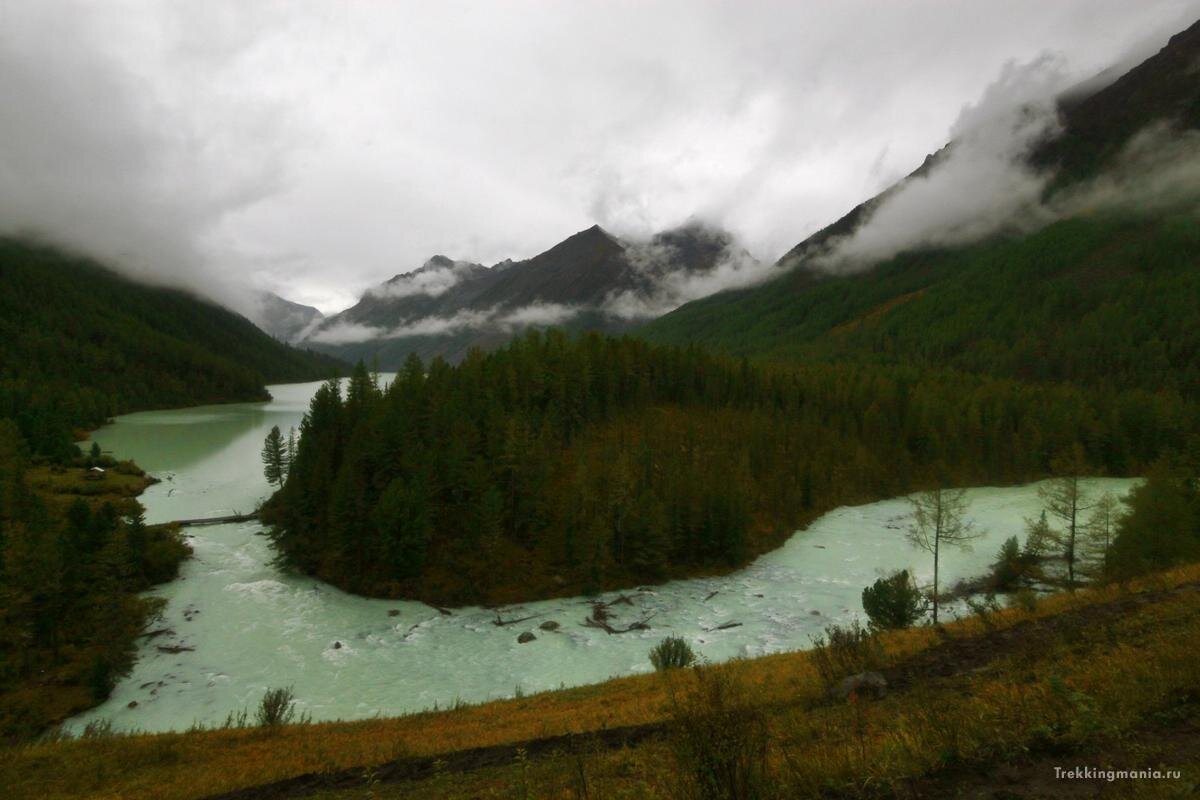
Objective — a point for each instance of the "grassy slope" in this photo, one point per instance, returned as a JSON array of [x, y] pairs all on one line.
[[1078, 673], [68, 322], [1096, 301]]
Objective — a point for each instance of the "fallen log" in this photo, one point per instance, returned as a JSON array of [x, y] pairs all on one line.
[[500, 623], [726, 626]]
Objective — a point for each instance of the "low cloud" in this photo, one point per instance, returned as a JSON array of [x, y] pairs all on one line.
[[435, 278], [671, 288], [541, 314], [497, 319], [346, 333], [1158, 170], [980, 184]]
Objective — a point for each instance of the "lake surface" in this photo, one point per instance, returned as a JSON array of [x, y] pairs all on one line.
[[253, 626]]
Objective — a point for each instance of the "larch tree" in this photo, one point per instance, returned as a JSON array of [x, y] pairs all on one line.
[[1100, 530], [273, 457], [939, 520], [1066, 499]]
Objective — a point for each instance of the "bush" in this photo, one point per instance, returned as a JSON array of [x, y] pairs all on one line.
[[720, 739], [277, 707], [893, 602], [984, 609], [1025, 599], [1012, 566], [842, 651], [672, 653], [97, 729]]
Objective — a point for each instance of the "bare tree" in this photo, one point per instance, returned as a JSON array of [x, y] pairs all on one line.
[[1100, 529], [939, 520], [1065, 498]]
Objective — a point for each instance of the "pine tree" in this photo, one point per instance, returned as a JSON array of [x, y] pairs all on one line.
[[273, 456]]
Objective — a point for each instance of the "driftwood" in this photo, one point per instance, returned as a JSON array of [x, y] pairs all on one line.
[[642, 624], [710, 596], [601, 615], [445, 612], [500, 622], [174, 648], [726, 626], [154, 634]]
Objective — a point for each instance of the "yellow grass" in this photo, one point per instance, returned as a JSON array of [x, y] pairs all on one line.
[[191, 765]]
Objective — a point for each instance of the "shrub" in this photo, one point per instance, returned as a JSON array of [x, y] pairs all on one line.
[[842, 651], [97, 729], [720, 739], [1012, 565], [984, 609], [1025, 599], [277, 707], [672, 653], [893, 602]]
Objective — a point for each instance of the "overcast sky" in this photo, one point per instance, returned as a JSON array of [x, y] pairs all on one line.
[[317, 148]]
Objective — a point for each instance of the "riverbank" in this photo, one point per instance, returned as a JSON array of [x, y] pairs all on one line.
[[86, 533], [1078, 672], [236, 623]]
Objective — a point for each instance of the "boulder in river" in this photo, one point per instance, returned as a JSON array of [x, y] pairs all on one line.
[[527, 636], [337, 645], [549, 625], [393, 612], [865, 684]]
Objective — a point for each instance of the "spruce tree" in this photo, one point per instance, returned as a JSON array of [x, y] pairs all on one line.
[[273, 457]]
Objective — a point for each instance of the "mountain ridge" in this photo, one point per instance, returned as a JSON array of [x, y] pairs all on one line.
[[446, 306]]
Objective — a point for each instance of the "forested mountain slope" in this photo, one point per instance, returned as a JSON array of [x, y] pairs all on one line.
[[81, 343], [1102, 301]]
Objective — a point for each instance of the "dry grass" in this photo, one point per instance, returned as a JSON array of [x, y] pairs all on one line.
[[999, 710]]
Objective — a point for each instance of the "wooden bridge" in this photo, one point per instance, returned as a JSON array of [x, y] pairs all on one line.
[[187, 523]]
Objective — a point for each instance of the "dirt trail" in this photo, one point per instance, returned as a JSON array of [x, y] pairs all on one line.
[[951, 657]]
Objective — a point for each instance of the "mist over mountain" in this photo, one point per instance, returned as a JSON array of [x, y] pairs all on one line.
[[592, 280], [1030, 152], [281, 318], [1050, 242]]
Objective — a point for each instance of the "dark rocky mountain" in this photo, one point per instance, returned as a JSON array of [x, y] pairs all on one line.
[[283, 319], [590, 281]]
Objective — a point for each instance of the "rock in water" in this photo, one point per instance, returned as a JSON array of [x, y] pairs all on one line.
[[864, 684], [527, 636], [549, 625]]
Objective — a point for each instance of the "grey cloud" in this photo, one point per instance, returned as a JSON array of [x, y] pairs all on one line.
[[432, 279], [308, 147]]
